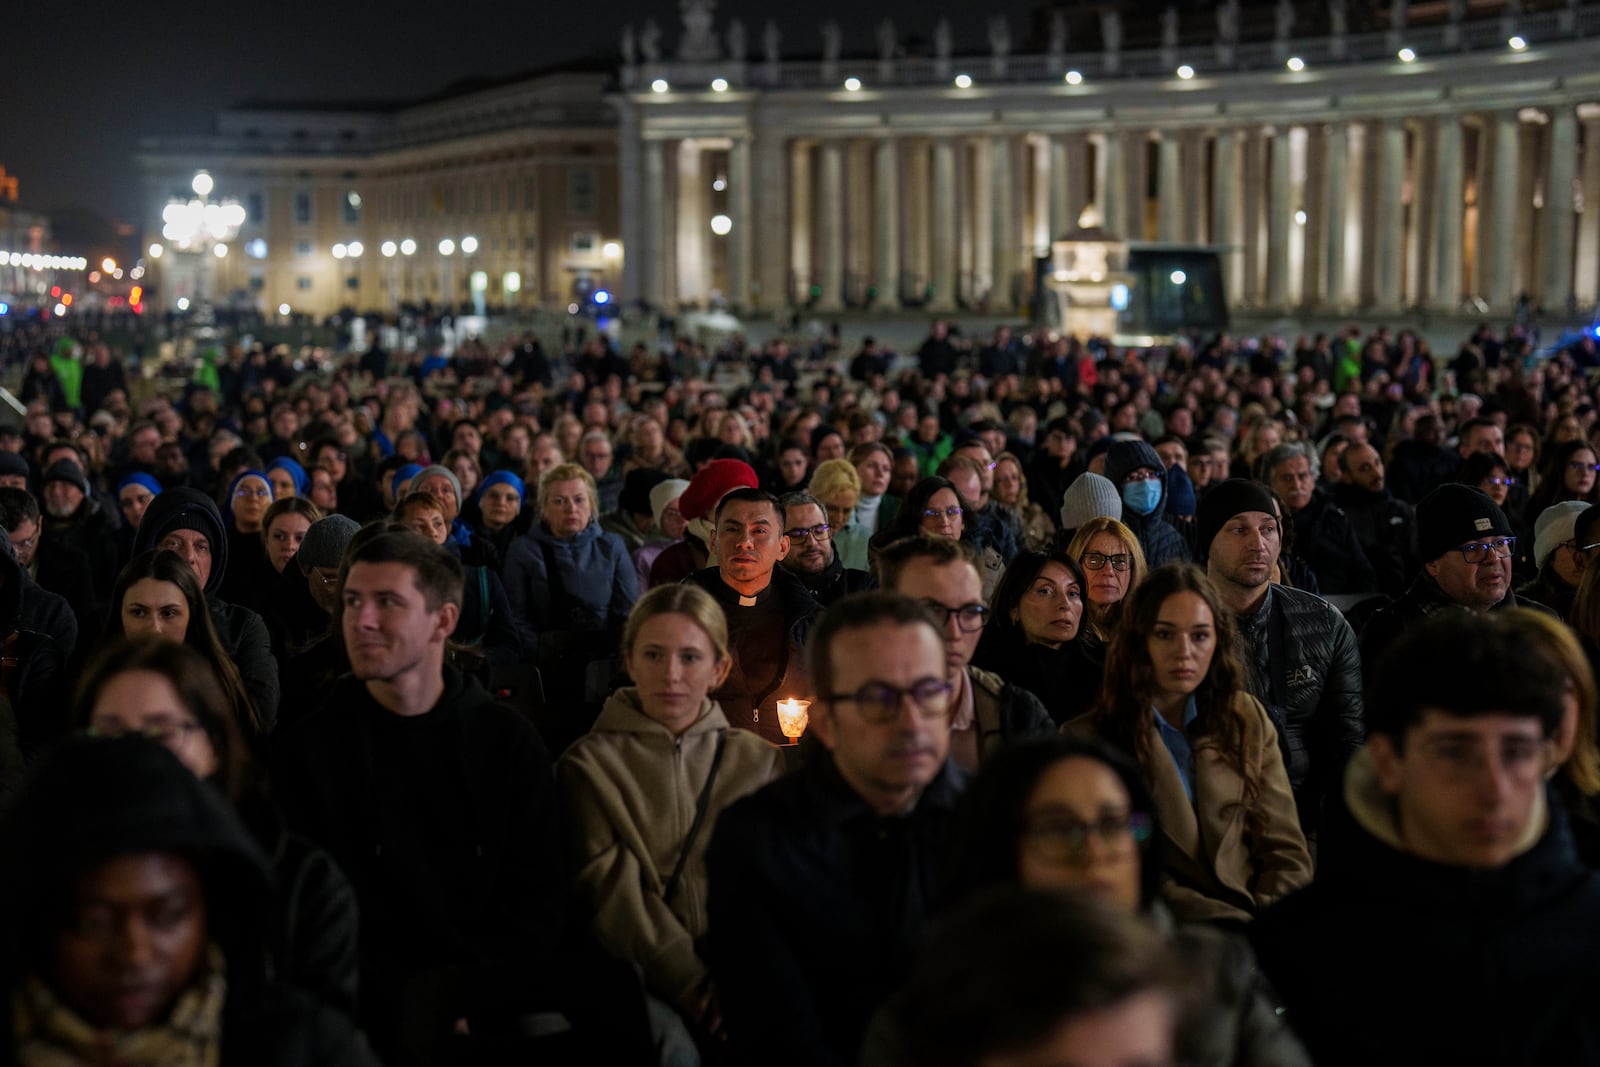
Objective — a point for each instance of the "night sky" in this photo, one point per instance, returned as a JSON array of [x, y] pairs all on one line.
[[80, 83]]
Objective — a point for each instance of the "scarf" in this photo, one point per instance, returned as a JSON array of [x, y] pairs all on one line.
[[50, 1034]]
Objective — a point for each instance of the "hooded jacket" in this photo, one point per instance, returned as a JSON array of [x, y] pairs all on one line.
[[242, 631], [629, 791], [1390, 959], [37, 686], [90, 801]]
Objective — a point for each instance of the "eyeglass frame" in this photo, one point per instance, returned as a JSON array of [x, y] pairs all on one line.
[[1112, 558], [1508, 543], [957, 613], [819, 533], [875, 707], [170, 734], [952, 512], [1138, 826]]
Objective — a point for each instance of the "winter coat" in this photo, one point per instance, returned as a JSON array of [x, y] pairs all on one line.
[[45, 612], [475, 938], [1161, 541], [816, 904], [242, 631], [1422, 600], [1065, 680], [1217, 865], [592, 589], [1327, 540], [1389, 959], [1386, 528], [836, 581], [1003, 713], [1306, 671], [91, 531], [35, 692], [1415, 469], [630, 791]]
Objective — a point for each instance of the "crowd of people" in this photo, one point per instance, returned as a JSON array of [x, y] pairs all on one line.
[[1011, 701]]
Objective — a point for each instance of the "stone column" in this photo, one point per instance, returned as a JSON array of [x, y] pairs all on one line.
[[1559, 218], [1225, 211], [1169, 186], [1280, 216], [1075, 183], [1252, 196], [830, 220], [1391, 184], [1135, 165], [1113, 187], [1501, 246], [917, 190], [1004, 232], [1062, 218], [1587, 280], [886, 232], [945, 207], [652, 225], [633, 209], [1336, 188], [802, 243], [740, 204], [1445, 292], [693, 286], [770, 214]]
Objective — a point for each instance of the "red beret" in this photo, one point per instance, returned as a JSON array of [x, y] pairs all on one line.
[[713, 482]]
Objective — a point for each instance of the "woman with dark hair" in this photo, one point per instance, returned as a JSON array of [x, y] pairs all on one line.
[[1177, 699], [282, 530], [486, 627], [141, 925], [1032, 639], [157, 593], [244, 510], [1069, 813], [1571, 473], [934, 507]]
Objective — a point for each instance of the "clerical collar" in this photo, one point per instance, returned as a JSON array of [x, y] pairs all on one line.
[[746, 601]]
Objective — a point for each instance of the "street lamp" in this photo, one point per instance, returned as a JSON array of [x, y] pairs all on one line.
[[199, 226]]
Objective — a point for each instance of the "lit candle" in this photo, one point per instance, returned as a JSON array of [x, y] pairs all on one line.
[[792, 717]]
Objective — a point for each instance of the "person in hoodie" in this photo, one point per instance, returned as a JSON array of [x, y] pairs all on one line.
[[185, 521], [641, 793], [1453, 923], [567, 574], [135, 901], [1141, 480], [439, 805]]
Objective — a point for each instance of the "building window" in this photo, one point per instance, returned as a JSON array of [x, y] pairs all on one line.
[[352, 207], [255, 209], [304, 248], [257, 283], [527, 244], [302, 207], [585, 244], [302, 282], [529, 193], [582, 196]]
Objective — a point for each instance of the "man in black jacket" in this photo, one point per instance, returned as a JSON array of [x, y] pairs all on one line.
[[820, 882], [1384, 525], [943, 574], [1453, 923], [811, 556], [1323, 536], [188, 523], [1467, 548], [1302, 653], [769, 611], [438, 803]]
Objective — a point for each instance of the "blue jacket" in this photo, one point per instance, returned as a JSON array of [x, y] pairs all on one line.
[[593, 586]]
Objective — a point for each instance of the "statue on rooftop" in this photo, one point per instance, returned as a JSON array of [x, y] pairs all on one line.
[[1338, 28], [770, 42], [699, 41], [650, 41], [999, 44], [1111, 37], [736, 41], [630, 47]]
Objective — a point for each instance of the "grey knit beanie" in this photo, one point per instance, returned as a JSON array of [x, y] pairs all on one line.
[[1089, 496]]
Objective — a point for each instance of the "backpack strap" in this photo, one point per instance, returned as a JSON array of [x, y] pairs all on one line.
[[700, 805]]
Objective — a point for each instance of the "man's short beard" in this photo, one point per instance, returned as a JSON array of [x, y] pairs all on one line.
[[53, 510]]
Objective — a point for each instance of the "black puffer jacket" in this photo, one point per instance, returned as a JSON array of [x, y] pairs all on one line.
[[1386, 528], [1307, 672], [1005, 713], [241, 630], [33, 677], [1325, 538]]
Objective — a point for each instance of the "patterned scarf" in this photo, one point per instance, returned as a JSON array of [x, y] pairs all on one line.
[[50, 1034]]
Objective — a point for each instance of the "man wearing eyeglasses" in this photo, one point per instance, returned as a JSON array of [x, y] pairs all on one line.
[[988, 711], [1454, 924], [1302, 653], [820, 882], [811, 556], [1467, 547]]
